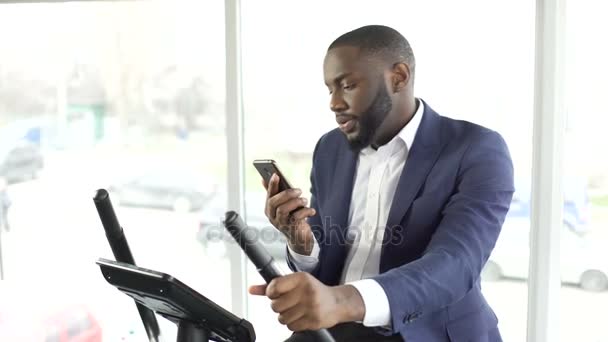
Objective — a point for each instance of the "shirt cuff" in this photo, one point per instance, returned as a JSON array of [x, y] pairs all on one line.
[[305, 263], [377, 308]]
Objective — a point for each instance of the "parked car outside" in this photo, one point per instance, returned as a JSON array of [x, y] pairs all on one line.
[[214, 237], [20, 161], [164, 187], [583, 262], [70, 323]]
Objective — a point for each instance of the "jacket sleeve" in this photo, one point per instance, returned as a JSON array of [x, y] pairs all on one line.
[[471, 222]]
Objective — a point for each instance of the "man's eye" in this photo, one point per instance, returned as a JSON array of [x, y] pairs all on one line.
[[349, 86]]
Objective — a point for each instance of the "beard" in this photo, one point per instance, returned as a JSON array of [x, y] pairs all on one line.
[[371, 119]]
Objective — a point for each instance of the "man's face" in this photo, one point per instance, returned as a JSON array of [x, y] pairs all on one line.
[[359, 96]]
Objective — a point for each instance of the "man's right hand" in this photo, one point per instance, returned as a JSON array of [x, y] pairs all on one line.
[[287, 211]]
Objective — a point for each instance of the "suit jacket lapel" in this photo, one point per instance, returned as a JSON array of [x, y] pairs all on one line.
[[336, 218], [422, 156], [342, 189]]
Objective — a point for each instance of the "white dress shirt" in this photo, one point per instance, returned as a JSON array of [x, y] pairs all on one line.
[[376, 179]]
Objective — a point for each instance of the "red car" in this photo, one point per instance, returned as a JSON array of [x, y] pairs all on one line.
[[73, 323]]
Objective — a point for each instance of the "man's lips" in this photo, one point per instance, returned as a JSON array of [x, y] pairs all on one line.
[[343, 118], [346, 122]]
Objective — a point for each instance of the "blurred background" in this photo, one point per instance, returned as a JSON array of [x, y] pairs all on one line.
[[131, 96]]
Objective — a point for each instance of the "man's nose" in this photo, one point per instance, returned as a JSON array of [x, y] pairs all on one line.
[[337, 104]]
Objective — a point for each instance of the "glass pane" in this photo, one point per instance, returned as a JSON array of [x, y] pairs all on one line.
[[127, 96], [462, 71], [584, 270]]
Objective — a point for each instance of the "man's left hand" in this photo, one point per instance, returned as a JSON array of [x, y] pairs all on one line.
[[304, 303]]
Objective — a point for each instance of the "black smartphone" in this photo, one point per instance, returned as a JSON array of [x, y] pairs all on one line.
[[267, 167]]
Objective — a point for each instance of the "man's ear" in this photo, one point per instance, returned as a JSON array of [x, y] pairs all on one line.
[[401, 76]]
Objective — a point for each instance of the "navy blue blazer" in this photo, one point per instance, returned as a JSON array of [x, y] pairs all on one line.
[[451, 200]]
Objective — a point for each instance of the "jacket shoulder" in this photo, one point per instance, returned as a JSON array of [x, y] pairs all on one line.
[[331, 142], [463, 134]]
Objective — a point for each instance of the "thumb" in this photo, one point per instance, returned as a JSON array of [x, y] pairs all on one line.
[[258, 290]]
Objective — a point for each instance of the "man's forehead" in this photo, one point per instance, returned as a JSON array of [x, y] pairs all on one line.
[[343, 60], [342, 55]]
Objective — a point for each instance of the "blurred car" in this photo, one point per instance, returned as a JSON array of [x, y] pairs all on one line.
[[129, 328], [576, 204], [167, 188], [214, 237], [71, 323], [20, 161], [582, 261]]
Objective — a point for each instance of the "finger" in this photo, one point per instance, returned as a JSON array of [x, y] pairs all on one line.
[[270, 192], [284, 196], [281, 285], [273, 185], [304, 323], [292, 315], [269, 210], [302, 213], [283, 212], [286, 301], [258, 290], [279, 199]]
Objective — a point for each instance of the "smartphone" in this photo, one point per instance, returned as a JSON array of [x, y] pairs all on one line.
[[267, 167]]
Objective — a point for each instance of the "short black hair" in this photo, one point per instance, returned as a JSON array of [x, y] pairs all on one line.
[[378, 40]]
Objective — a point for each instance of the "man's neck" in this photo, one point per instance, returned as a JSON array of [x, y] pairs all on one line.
[[397, 123]]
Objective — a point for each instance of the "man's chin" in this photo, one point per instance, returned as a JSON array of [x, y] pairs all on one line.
[[355, 144]]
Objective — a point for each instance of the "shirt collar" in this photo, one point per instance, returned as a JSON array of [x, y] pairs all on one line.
[[407, 133]]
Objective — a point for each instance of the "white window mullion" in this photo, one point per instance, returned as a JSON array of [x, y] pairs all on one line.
[[235, 144], [547, 194]]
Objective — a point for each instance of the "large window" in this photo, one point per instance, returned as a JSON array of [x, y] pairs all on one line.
[[584, 257], [481, 75], [130, 96], [127, 96]]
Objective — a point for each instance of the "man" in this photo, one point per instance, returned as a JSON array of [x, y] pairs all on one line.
[[405, 210]]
